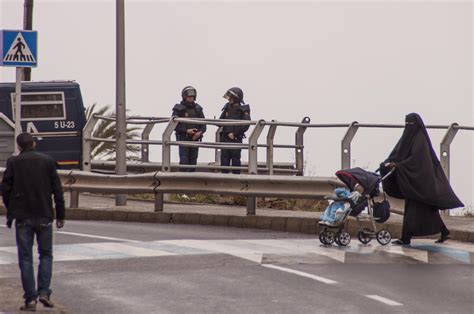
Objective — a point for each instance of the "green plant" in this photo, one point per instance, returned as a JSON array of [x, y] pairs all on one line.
[[106, 129]]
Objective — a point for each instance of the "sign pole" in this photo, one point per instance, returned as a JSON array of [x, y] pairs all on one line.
[[19, 75]]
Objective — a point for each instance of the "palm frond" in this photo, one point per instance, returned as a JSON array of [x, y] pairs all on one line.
[[107, 130]]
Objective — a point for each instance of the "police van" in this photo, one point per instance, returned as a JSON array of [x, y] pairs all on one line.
[[54, 113]]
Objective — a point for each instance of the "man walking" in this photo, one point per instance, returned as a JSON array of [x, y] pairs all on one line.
[[28, 183]]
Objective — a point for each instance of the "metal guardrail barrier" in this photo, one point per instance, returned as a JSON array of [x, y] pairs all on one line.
[[252, 145], [108, 167], [160, 182], [253, 167]]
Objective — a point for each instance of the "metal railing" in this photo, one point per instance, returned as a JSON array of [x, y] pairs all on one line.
[[160, 182], [253, 166], [252, 146]]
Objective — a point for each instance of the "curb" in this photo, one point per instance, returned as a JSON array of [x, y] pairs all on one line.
[[275, 223]]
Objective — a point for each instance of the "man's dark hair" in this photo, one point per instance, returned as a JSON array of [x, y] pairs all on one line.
[[25, 141]]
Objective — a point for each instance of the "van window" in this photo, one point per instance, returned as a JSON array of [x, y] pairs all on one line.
[[41, 106]]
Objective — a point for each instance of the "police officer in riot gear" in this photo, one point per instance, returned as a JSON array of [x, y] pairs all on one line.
[[234, 109], [188, 108]]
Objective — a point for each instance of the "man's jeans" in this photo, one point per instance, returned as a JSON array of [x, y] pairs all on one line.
[[25, 233]]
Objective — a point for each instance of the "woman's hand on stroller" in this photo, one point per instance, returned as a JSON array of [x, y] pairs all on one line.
[[390, 165]]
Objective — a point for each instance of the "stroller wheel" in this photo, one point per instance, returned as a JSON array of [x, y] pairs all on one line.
[[327, 237], [343, 238], [322, 238], [364, 237], [384, 237]]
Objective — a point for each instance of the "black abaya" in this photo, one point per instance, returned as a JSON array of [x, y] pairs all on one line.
[[420, 180]]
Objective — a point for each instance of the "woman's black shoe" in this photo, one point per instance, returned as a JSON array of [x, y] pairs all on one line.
[[442, 239], [400, 242]]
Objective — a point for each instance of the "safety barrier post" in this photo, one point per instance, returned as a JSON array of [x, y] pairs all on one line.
[[270, 141], [445, 146], [299, 143], [217, 154], [253, 162], [87, 143], [145, 147], [74, 199], [86, 155], [159, 202], [445, 153], [166, 147], [346, 145]]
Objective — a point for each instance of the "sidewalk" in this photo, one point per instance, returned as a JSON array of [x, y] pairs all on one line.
[[94, 207]]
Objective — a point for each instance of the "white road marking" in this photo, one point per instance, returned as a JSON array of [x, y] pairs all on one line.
[[127, 249], [96, 236], [302, 274], [219, 246], [419, 255], [303, 246], [383, 300]]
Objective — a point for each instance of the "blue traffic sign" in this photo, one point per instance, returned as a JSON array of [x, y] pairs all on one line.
[[18, 48]]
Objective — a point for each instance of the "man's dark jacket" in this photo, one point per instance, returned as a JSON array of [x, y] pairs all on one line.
[[28, 184]]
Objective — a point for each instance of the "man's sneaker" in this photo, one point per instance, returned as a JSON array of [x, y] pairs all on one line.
[[29, 307], [46, 300]]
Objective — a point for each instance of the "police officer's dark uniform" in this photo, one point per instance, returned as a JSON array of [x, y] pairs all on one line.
[[188, 131], [235, 109]]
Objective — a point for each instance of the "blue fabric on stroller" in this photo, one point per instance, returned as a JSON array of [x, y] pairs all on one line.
[[329, 214]]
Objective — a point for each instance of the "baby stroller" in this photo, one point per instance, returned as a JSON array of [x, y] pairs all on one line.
[[368, 184]]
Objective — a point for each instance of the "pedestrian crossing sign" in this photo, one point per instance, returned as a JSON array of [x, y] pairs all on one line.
[[18, 48]]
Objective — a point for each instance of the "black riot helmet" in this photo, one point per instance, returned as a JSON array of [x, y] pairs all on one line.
[[188, 91], [235, 93]]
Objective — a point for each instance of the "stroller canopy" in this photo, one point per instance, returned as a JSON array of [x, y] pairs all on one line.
[[369, 180]]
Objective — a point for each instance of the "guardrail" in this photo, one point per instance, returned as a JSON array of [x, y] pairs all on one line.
[[253, 167], [252, 146], [134, 167], [161, 182]]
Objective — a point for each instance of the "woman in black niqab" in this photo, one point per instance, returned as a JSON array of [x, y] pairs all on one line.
[[421, 181]]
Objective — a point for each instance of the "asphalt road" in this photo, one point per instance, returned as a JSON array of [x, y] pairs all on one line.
[[105, 267]]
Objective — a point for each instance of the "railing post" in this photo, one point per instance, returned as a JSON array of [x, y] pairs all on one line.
[[217, 157], [74, 199], [253, 147], [253, 162], [166, 147], [270, 138], [299, 150], [445, 154], [145, 147], [346, 145], [86, 155], [87, 143], [445, 146], [159, 202]]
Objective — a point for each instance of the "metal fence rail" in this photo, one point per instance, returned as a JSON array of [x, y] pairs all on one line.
[[253, 166], [160, 182], [253, 141]]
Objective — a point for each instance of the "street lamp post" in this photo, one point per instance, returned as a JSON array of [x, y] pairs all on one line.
[[120, 111]]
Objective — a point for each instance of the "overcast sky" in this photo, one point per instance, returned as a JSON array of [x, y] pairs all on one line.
[[334, 61]]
